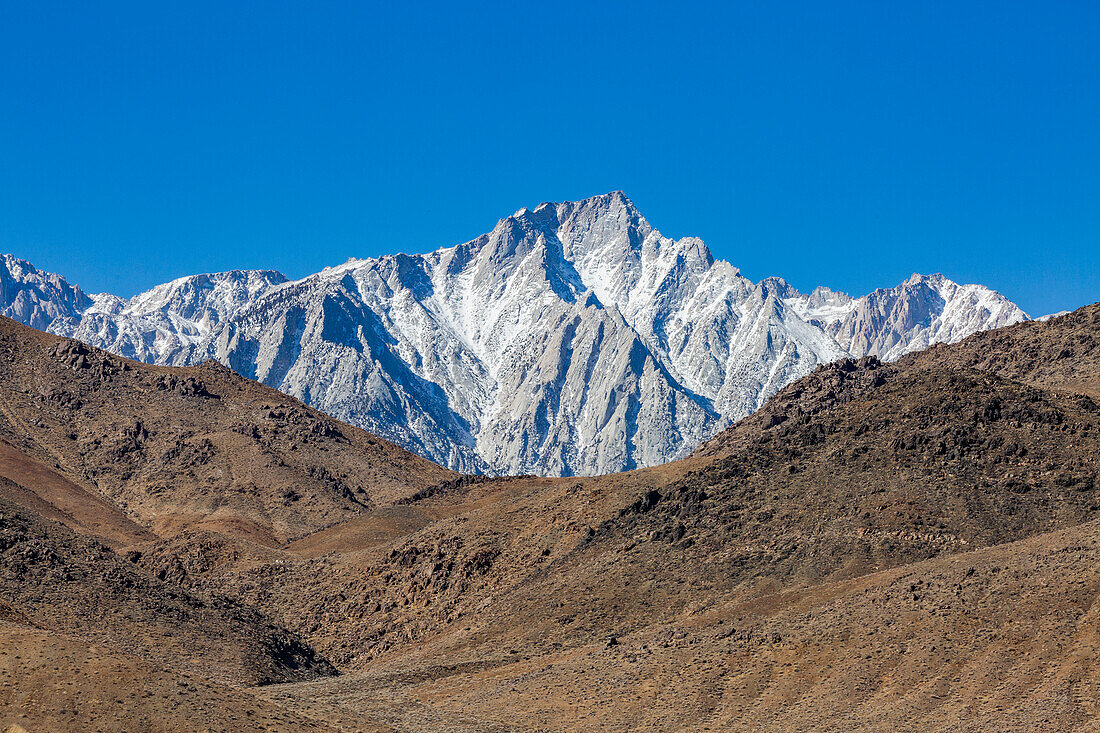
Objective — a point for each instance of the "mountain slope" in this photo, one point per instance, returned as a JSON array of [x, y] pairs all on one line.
[[58, 581], [881, 543], [171, 323], [169, 448], [851, 470], [1002, 638], [31, 484], [102, 689], [1061, 353], [923, 310], [90, 642], [37, 298], [572, 339]]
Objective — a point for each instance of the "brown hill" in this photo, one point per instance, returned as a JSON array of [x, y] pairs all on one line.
[[1062, 353], [484, 596], [31, 484], [903, 546], [51, 682], [56, 580], [1003, 638], [98, 453], [855, 469], [194, 447]]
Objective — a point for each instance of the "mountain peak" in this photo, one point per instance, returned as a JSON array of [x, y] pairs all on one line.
[[511, 352], [610, 201], [600, 205], [934, 279]]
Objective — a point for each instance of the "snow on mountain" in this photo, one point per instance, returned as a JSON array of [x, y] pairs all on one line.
[[171, 323], [571, 339], [923, 310], [37, 298]]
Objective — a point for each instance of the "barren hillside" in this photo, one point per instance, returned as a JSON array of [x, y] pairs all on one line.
[[190, 447], [883, 546]]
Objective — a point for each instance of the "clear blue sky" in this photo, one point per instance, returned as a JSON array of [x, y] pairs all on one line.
[[846, 144]]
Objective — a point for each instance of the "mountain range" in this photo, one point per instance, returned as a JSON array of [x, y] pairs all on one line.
[[572, 339], [912, 545]]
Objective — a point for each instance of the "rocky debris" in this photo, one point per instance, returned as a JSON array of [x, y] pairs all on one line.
[[643, 504], [72, 354], [301, 421], [203, 453], [249, 430], [338, 484], [129, 440], [185, 386], [79, 357], [64, 398]]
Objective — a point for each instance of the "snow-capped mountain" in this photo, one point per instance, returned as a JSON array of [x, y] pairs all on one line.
[[37, 298], [171, 323], [571, 339]]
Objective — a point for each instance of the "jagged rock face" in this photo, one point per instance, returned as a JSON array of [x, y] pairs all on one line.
[[37, 298], [572, 339]]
